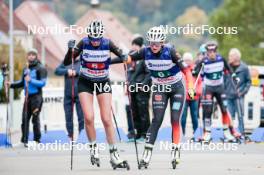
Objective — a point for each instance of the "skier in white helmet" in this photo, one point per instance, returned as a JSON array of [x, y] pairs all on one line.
[[94, 51]]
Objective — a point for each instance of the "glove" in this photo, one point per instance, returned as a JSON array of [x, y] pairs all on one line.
[[71, 44], [124, 58], [191, 93], [235, 78]]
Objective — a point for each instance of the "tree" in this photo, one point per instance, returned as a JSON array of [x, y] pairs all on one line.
[[192, 16], [248, 17], [19, 60]]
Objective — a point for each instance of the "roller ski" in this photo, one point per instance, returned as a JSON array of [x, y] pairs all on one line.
[[206, 137], [228, 137], [175, 155], [144, 162], [238, 136], [196, 139], [193, 139], [116, 161], [94, 152]]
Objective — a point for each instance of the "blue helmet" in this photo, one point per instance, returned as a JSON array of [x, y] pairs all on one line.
[[202, 48]]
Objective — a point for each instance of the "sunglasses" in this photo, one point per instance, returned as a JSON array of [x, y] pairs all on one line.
[[157, 44], [95, 39], [211, 50]]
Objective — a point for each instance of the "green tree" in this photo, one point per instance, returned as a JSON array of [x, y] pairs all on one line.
[[248, 17], [19, 60]]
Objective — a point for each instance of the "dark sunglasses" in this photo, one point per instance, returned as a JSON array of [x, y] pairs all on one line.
[[95, 39]]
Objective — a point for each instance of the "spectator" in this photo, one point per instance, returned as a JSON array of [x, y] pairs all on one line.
[[33, 79], [193, 104], [1, 80], [237, 93], [138, 74], [68, 73]]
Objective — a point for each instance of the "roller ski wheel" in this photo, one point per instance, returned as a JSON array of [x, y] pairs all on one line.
[[123, 164], [247, 139], [175, 155], [206, 142], [231, 136], [143, 164], [199, 140], [239, 140], [94, 153], [224, 140], [195, 140], [243, 139], [206, 139], [116, 161], [174, 164], [95, 161], [192, 140]]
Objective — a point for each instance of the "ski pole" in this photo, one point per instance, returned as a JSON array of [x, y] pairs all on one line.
[[72, 107], [117, 130], [26, 106], [132, 121], [198, 76]]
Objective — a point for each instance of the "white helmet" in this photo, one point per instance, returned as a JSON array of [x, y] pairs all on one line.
[[96, 29], [156, 34]]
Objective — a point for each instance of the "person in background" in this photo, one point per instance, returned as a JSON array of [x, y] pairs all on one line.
[[199, 57], [214, 66], [33, 79], [201, 54], [1, 80], [68, 73], [192, 103], [139, 75], [239, 90]]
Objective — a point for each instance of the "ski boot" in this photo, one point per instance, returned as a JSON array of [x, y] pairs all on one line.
[[228, 137], [116, 161], [175, 155], [144, 162], [207, 137], [238, 136], [94, 152], [192, 140]]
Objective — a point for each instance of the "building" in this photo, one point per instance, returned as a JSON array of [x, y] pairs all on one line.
[[41, 22]]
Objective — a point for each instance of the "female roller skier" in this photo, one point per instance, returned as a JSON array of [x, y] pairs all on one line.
[[166, 69], [94, 52]]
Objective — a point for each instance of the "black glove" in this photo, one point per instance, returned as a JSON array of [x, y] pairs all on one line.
[[71, 44]]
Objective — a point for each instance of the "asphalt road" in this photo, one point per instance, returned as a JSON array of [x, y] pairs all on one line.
[[246, 159]]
